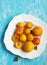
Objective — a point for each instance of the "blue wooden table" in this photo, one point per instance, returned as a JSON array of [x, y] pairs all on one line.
[[11, 8]]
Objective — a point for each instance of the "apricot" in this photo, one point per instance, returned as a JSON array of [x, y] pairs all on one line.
[[15, 37], [37, 31], [28, 46], [20, 25], [23, 38], [19, 31], [36, 41], [18, 44], [27, 31], [28, 25], [30, 37]]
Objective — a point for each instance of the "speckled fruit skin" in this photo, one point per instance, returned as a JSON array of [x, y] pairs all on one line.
[[28, 46], [37, 31]]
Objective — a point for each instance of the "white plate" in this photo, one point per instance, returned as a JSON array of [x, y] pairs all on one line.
[[11, 27]]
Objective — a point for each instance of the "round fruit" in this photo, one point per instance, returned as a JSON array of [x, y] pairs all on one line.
[[15, 38], [18, 44], [20, 24], [37, 31], [28, 46], [29, 25], [30, 37], [36, 41], [23, 37], [19, 31], [27, 31]]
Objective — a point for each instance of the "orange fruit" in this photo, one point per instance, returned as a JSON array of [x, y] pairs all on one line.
[[37, 31], [15, 38], [19, 31], [30, 37], [23, 38], [28, 46], [27, 31], [36, 41], [20, 25], [18, 44], [28, 25]]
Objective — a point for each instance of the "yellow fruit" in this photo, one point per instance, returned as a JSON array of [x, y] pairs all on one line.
[[19, 31], [15, 37], [18, 44], [23, 38], [20, 24], [36, 41], [30, 37], [28, 46], [27, 31], [28, 25], [37, 31]]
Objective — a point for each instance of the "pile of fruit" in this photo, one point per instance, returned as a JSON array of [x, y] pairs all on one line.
[[26, 36]]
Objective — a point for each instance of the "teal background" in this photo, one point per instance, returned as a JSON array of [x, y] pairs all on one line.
[[11, 8]]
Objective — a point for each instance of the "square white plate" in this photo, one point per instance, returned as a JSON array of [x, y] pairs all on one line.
[[10, 30]]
